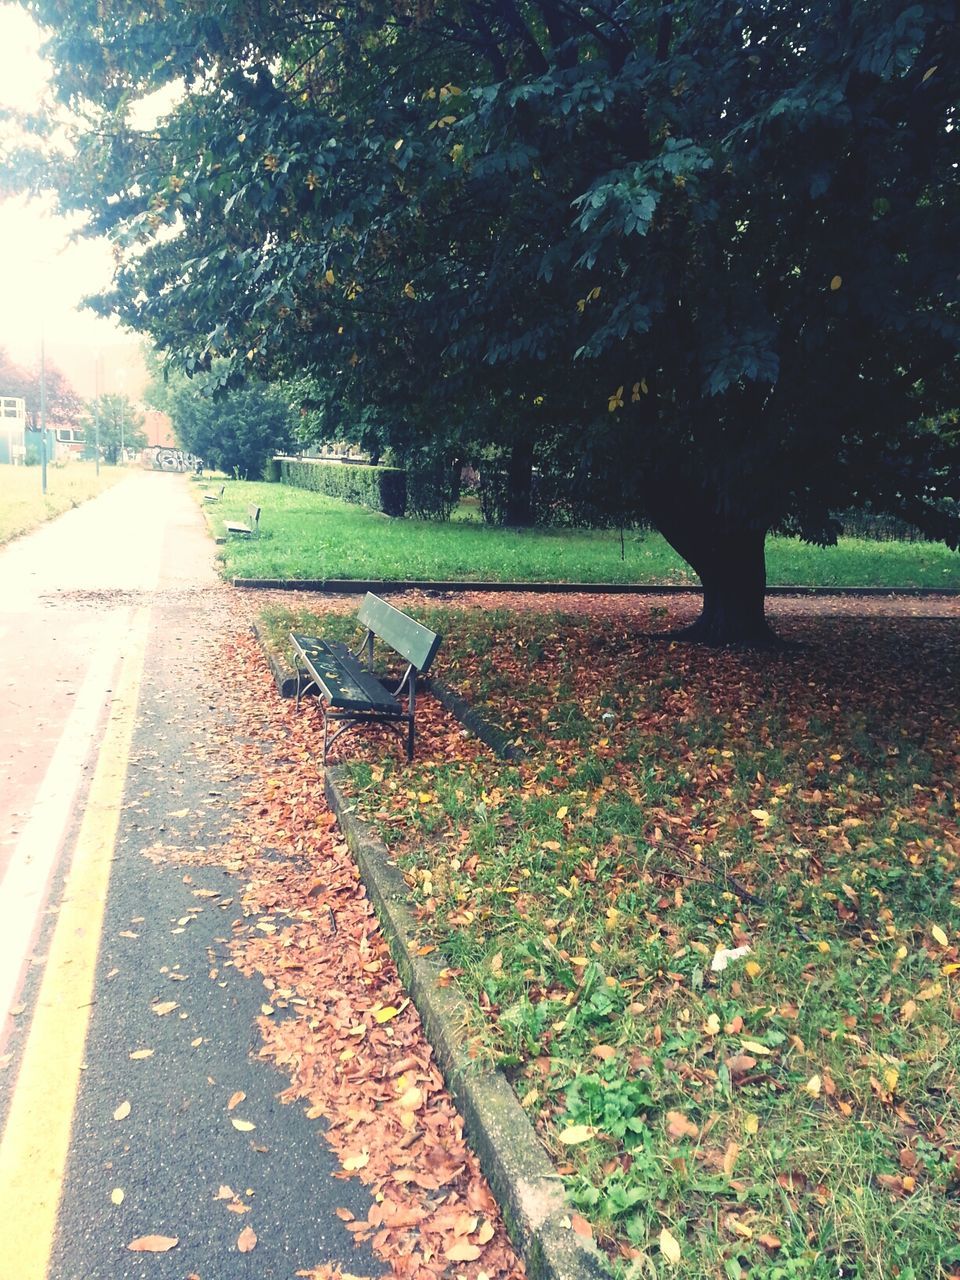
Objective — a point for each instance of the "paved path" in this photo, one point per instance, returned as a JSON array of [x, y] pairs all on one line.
[[111, 767]]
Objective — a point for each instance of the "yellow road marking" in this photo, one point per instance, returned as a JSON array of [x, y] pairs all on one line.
[[36, 1141]]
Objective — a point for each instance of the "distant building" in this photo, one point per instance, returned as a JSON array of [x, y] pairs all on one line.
[[159, 430], [13, 424]]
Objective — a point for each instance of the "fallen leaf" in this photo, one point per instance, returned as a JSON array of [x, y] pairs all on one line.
[[139, 1054], [576, 1133], [754, 1046], [669, 1247], [463, 1251], [122, 1111], [813, 1086], [680, 1126], [116, 1195], [153, 1244], [165, 1007], [247, 1240], [236, 1099], [939, 935], [739, 1064], [245, 1126], [357, 1161], [384, 1015]]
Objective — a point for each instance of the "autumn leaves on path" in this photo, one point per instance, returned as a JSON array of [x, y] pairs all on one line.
[[338, 1022], [332, 1015]]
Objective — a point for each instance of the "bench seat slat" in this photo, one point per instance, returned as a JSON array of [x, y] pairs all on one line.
[[345, 685]]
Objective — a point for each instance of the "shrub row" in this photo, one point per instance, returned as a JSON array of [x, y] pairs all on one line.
[[380, 488]]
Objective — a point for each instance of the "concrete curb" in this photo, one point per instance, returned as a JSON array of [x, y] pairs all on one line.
[[488, 732], [356, 586], [522, 1177], [283, 677]]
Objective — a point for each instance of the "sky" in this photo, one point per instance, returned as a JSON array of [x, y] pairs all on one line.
[[43, 277]]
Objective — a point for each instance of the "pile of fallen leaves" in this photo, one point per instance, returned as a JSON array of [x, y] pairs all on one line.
[[337, 1021]]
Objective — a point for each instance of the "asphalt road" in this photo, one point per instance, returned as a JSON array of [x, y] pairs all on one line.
[[114, 781]]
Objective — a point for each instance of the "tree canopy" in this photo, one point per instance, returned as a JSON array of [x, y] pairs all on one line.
[[704, 250], [63, 405]]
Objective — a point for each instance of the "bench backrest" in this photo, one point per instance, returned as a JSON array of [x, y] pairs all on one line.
[[254, 513], [416, 643]]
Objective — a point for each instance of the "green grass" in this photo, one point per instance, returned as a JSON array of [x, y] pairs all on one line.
[[23, 506], [305, 535], [794, 1114]]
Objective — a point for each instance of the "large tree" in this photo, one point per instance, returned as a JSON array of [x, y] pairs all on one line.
[[711, 245]]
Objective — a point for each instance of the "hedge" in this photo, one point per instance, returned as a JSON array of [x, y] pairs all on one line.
[[381, 488]]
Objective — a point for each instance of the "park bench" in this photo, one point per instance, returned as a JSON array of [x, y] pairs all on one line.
[[350, 692], [214, 495], [252, 525]]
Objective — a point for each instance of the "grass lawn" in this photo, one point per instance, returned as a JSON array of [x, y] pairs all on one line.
[[306, 535], [23, 506], [710, 926]]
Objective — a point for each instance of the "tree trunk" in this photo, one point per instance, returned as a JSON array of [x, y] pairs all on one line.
[[728, 558], [519, 510]]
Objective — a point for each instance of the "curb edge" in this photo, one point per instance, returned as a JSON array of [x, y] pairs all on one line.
[[522, 1178]]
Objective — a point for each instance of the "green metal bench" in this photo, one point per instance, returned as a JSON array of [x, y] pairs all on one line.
[[349, 691], [214, 495], [252, 526]]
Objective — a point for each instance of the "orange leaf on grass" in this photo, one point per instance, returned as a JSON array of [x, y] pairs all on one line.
[[679, 1126]]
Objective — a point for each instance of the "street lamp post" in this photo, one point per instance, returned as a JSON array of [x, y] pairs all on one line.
[[43, 413], [96, 410]]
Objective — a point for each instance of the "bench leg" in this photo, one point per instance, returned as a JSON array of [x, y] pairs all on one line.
[[411, 709]]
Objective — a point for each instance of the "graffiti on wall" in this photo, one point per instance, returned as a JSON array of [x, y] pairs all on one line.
[[162, 458]]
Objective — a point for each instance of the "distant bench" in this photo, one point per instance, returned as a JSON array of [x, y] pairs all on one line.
[[252, 525], [352, 693], [214, 495]]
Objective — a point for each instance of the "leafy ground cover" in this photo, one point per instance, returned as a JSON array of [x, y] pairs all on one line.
[[305, 535], [710, 926], [23, 506]]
